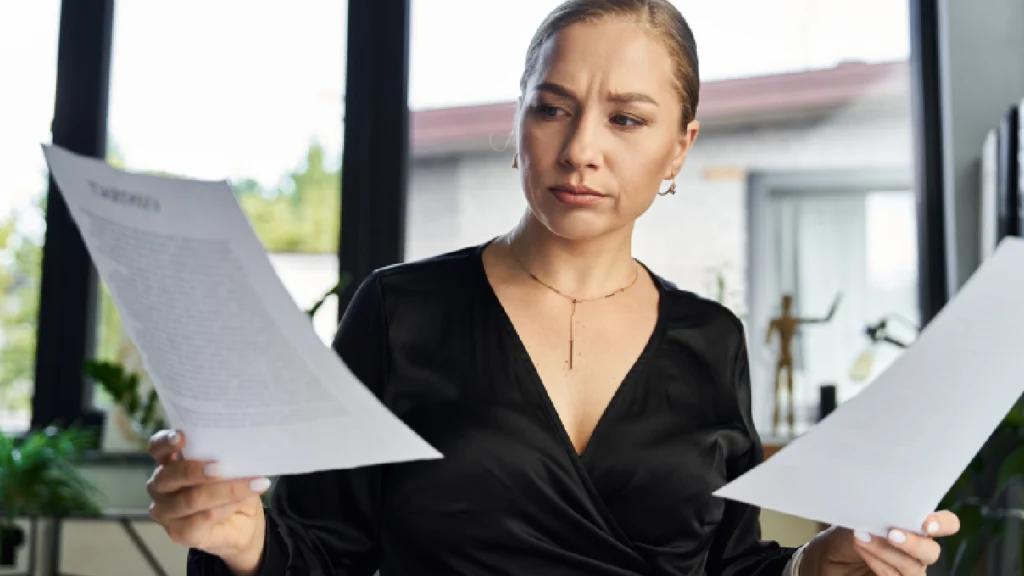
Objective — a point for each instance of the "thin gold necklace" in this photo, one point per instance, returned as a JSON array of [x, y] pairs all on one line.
[[575, 301]]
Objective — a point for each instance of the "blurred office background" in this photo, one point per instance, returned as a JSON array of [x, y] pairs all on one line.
[[841, 152]]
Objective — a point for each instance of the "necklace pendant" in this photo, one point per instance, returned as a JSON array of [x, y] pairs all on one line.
[[572, 338], [575, 301]]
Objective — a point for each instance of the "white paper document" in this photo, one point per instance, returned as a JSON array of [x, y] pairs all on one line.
[[886, 457], [236, 363]]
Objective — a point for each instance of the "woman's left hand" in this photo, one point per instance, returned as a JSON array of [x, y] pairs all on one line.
[[840, 552]]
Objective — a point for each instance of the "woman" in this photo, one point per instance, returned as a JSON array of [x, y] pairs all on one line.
[[586, 408]]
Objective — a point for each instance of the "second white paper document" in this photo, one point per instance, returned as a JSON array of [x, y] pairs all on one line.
[[885, 458]]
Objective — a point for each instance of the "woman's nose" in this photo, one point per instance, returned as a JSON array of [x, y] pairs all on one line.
[[582, 147]]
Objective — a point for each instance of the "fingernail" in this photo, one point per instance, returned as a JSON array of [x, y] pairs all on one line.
[[933, 527], [175, 438], [259, 484], [212, 469], [862, 536], [897, 537]]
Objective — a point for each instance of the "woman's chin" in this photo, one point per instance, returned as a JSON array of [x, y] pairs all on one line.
[[578, 226]]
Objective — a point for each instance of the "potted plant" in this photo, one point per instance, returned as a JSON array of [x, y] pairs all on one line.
[[38, 478]]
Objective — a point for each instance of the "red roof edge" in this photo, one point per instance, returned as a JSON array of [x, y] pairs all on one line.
[[776, 94]]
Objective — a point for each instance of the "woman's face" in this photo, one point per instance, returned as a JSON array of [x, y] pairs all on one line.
[[599, 129]]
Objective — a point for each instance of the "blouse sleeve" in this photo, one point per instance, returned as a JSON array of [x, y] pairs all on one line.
[[737, 549], [326, 523]]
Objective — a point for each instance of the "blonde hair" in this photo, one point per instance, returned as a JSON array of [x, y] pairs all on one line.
[[659, 17]]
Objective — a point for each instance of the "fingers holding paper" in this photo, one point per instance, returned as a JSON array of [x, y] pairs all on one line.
[[841, 552], [200, 509], [942, 523], [166, 445], [903, 552], [186, 487]]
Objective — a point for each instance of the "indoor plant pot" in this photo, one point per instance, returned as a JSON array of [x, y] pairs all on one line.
[[12, 537], [38, 477]]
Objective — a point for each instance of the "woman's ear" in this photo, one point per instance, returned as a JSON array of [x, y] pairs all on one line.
[[683, 146], [692, 130]]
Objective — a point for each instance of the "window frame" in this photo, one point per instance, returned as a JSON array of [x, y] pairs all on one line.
[[927, 118], [67, 293], [763, 187]]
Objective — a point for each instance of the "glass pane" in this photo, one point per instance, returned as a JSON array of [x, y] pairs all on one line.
[[861, 246], [254, 95], [28, 53], [811, 97]]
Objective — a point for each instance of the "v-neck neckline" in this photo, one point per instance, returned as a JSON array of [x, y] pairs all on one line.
[[633, 374]]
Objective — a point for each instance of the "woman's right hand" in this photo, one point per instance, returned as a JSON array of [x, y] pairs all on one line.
[[200, 510]]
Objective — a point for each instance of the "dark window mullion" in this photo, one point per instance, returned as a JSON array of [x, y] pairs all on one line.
[[68, 286], [376, 152]]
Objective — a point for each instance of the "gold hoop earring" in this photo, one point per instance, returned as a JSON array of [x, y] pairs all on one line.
[[515, 161], [671, 190]]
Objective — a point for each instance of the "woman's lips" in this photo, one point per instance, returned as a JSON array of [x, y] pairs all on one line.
[[576, 195]]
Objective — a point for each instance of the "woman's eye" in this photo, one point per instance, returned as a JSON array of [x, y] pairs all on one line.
[[626, 121], [547, 110]]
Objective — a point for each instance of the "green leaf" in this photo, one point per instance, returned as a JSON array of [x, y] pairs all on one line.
[[111, 377], [39, 475], [338, 288], [148, 414], [125, 389]]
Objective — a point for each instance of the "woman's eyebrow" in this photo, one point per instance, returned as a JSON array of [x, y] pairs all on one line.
[[619, 97]]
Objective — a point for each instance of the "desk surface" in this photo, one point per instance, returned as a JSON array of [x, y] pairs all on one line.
[[770, 448]]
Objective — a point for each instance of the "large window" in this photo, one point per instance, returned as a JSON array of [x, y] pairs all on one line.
[[248, 91], [789, 87], [823, 236], [28, 61]]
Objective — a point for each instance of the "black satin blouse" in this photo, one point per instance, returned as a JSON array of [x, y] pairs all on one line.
[[511, 496]]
